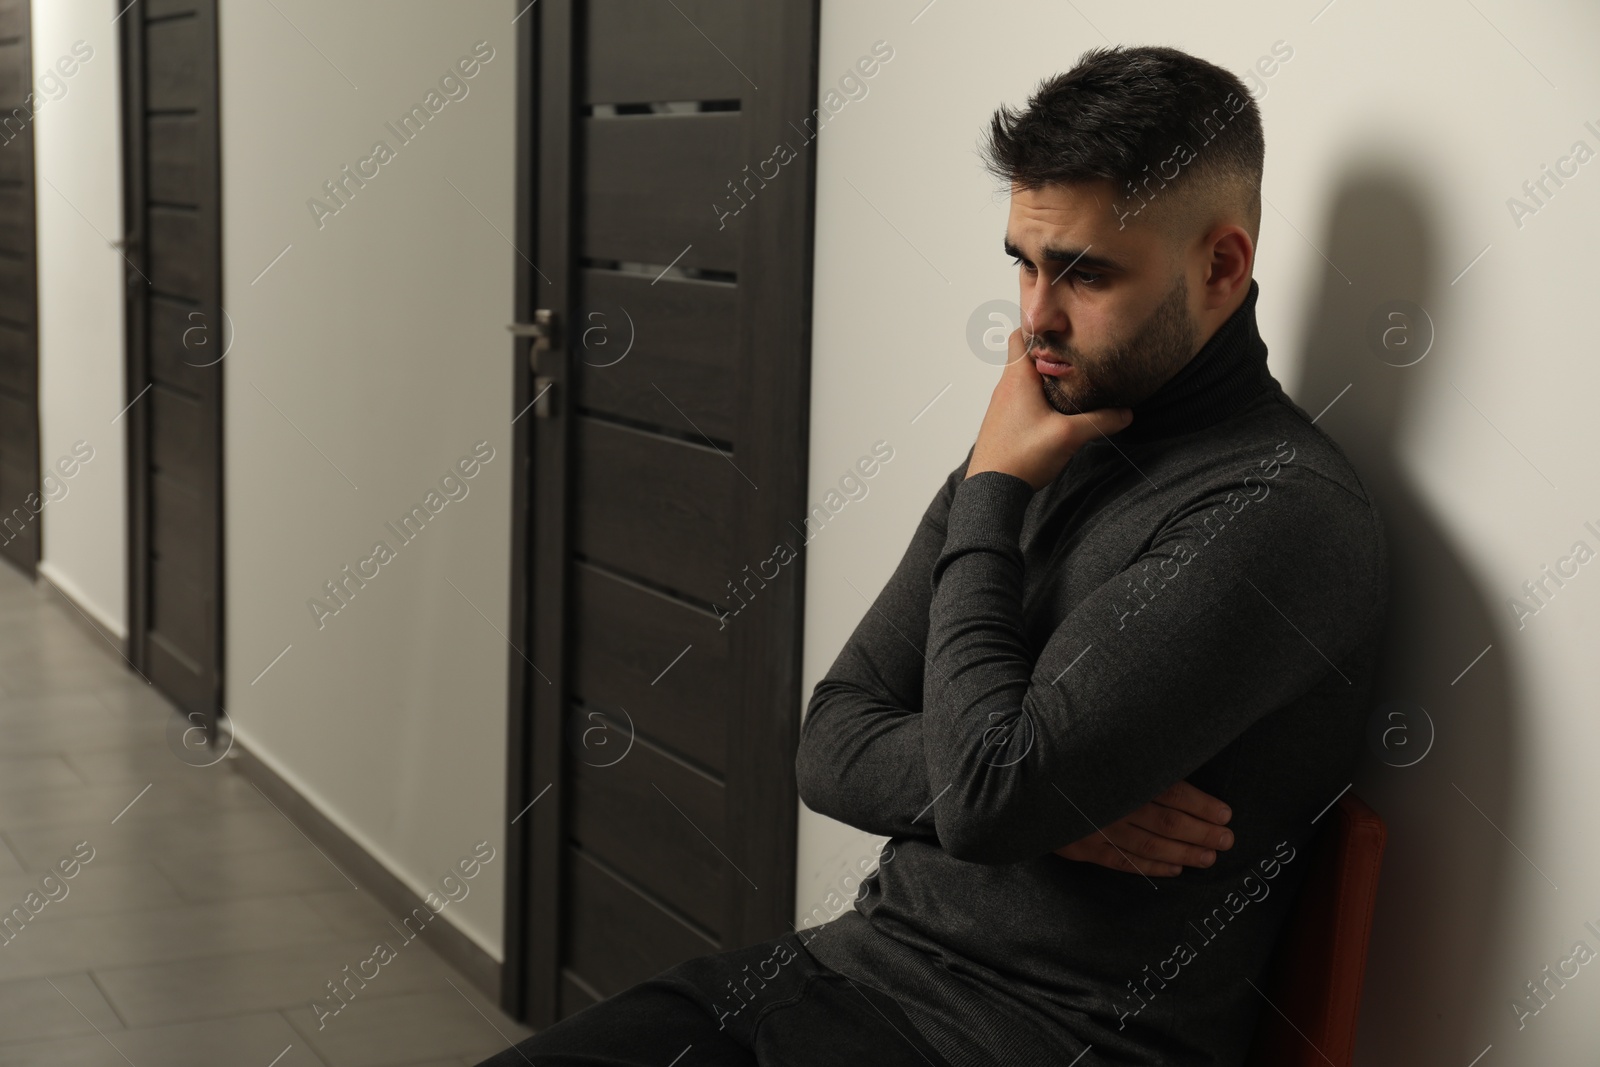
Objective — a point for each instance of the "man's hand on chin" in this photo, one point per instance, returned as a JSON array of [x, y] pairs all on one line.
[[1023, 435], [1182, 827]]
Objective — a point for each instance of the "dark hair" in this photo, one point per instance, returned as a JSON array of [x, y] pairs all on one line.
[[1128, 116]]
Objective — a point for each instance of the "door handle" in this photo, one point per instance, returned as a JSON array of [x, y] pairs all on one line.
[[542, 329], [128, 248], [543, 332], [544, 394]]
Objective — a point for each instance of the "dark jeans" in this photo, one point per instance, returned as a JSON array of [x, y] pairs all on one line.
[[789, 1011]]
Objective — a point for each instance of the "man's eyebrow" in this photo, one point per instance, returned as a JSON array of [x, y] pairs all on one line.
[[1077, 257]]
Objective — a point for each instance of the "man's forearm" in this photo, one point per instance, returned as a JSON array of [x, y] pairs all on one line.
[[978, 733], [860, 758], [860, 762]]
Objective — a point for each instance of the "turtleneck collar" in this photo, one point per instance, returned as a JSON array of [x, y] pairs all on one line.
[[1227, 373]]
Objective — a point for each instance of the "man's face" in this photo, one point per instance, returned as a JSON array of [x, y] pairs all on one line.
[[1106, 308]]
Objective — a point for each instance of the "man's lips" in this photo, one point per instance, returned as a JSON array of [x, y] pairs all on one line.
[[1050, 365]]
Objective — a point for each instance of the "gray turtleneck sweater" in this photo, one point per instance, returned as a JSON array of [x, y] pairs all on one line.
[[1197, 597]]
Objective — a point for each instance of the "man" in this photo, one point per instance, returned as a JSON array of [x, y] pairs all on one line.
[[1146, 604]]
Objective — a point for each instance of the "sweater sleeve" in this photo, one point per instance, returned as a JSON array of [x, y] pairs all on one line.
[[860, 752], [1244, 599]]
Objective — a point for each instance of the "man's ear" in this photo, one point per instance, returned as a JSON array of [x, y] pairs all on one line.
[[1231, 260]]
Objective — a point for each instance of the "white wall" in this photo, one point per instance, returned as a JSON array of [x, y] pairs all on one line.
[[365, 362], [1395, 136], [77, 143]]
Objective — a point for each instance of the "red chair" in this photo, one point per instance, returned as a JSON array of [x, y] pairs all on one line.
[[1314, 977]]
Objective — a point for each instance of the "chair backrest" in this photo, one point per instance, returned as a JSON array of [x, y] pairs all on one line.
[[1316, 970]]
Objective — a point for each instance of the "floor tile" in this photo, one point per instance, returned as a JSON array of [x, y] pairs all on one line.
[[137, 765], [58, 1005], [353, 914], [54, 652], [43, 671], [214, 876], [86, 803], [235, 1042], [10, 863], [131, 695], [98, 888], [82, 729], [142, 836], [37, 772], [382, 1030], [16, 709], [265, 980], [66, 941]]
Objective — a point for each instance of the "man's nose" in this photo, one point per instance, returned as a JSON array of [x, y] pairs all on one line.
[[1040, 311]]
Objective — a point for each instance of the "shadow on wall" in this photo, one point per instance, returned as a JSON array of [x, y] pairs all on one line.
[[1443, 892]]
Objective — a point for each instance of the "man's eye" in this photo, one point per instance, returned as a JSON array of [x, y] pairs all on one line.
[[1087, 278], [1018, 261]]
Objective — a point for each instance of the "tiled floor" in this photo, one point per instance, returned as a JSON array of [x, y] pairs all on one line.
[[203, 924]]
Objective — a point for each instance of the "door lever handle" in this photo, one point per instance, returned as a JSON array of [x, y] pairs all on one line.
[[542, 329], [543, 332]]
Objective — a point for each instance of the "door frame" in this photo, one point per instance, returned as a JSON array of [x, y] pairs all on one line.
[[773, 422], [136, 252], [519, 742]]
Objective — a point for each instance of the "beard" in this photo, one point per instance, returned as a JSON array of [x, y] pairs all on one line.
[[1130, 370]]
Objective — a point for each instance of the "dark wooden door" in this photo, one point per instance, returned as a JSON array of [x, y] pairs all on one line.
[[177, 337], [21, 505], [654, 715]]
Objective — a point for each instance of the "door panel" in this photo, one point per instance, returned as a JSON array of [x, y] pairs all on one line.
[[16, 236], [680, 373], [642, 52], [651, 181], [173, 142], [177, 436], [619, 819], [175, 509], [13, 17], [652, 739], [14, 371], [175, 357], [624, 633], [16, 289], [658, 509], [174, 56], [621, 931], [177, 264], [177, 335], [177, 603]]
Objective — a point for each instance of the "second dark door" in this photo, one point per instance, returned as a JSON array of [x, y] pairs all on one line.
[[21, 505], [178, 335]]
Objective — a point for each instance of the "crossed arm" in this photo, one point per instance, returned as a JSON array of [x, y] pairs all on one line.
[[860, 756], [938, 721]]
